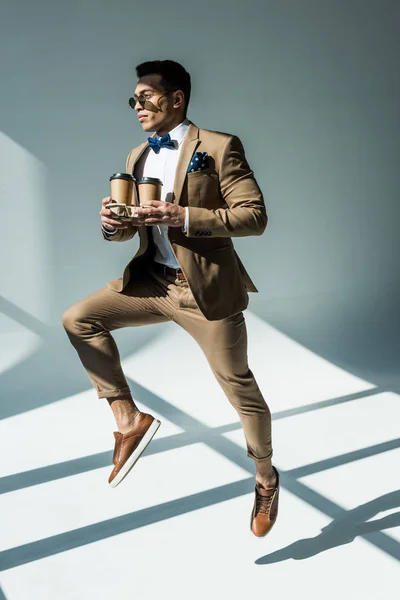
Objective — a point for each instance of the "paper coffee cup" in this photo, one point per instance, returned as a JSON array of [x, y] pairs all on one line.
[[149, 188], [123, 189]]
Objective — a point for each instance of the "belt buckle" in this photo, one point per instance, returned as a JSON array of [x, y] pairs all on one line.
[[177, 280]]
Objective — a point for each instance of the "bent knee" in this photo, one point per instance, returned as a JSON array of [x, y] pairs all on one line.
[[73, 318]]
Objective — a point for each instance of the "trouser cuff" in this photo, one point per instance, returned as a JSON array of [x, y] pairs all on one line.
[[121, 393], [257, 459]]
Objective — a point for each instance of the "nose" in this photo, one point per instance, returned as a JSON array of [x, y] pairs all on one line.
[[135, 104]]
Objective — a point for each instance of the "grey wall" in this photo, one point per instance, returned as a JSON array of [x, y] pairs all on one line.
[[311, 88]]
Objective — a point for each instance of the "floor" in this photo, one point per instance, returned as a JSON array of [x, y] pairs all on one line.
[[178, 526]]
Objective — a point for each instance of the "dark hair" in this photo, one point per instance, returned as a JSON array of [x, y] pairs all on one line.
[[173, 75]]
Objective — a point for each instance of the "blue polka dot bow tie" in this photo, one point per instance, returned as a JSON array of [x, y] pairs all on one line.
[[164, 142]]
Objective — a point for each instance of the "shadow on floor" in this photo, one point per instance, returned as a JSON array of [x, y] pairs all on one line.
[[344, 529], [225, 447], [129, 522]]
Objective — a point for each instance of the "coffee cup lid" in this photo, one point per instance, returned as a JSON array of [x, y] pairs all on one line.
[[126, 176], [150, 180]]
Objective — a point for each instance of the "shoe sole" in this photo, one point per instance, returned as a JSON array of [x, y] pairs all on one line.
[[148, 436]]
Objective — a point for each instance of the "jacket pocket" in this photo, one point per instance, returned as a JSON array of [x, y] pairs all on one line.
[[209, 171], [203, 189]]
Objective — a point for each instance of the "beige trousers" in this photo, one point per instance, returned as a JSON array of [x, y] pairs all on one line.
[[156, 299]]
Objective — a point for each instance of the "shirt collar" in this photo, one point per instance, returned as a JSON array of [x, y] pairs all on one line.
[[178, 132]]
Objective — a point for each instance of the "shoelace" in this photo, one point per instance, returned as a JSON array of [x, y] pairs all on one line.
[[263, 503]]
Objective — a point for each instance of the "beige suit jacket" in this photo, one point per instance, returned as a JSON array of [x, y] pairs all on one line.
[[224, 201]]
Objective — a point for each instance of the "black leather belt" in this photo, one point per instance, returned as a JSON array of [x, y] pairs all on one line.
[[164, 270]]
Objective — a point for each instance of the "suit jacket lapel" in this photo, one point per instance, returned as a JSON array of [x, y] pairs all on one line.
[[136, 154], [189, 146]]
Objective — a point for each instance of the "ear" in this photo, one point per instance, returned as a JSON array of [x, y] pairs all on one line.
[[179, 99]]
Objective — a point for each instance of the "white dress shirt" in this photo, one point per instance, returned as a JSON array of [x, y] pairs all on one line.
[[163, 166]]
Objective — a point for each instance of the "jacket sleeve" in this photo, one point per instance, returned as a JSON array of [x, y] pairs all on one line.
[[245, 213], [122, 235]]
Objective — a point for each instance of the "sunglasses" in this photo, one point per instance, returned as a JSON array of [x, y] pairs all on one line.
[[145, 102]]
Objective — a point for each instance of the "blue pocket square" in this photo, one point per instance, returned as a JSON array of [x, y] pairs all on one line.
[[198, 162]]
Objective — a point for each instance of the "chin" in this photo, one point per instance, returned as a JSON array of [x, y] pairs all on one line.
[[147, 127]]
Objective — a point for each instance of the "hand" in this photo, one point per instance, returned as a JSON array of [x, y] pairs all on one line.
[[109, 222], [162, 213]]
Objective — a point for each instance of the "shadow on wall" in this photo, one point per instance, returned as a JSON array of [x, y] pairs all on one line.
[[327, 108], [361, 336], [53, 371]]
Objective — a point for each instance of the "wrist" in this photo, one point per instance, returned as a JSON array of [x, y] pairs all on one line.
[[108, 232], [109, 228]]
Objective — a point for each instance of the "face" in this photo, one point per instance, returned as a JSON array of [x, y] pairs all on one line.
[[161, 110]]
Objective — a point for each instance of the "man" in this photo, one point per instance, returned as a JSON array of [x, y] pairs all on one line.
[[186, 270]]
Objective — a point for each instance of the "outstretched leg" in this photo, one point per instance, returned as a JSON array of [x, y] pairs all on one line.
[[224, 343]]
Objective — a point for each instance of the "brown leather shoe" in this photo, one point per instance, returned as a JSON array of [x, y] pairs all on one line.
[[265, 508], [129, 446]]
